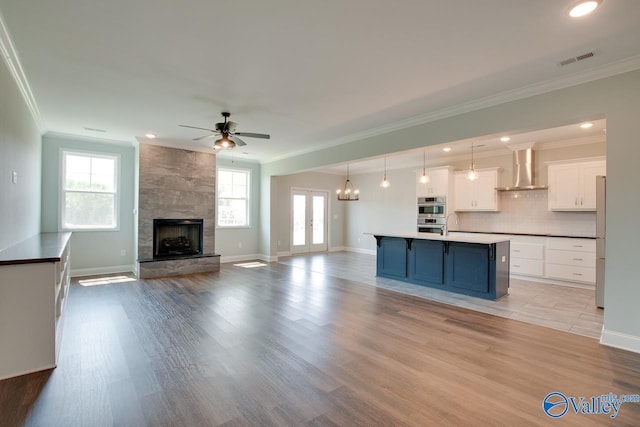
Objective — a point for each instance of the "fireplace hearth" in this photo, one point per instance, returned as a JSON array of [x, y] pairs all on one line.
[[177, 238]]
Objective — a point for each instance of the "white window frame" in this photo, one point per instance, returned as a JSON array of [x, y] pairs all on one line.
[[63, 191], [247, 198]]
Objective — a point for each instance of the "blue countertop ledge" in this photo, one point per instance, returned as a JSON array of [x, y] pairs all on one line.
[[450, 238]]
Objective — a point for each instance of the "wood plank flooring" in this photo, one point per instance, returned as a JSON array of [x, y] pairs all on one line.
[[280, 345]]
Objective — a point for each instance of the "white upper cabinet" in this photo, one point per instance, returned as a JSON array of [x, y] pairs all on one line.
[[572, 185], [479, 194], [440, 182]]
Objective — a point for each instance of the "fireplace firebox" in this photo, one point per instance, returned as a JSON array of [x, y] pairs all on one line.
[[177, 238]]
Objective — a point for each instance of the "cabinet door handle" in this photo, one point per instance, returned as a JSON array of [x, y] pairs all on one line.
[[581, 200], [516, 250], [577, 274], [577, 246], [516, 265], [577, 259], [576, 202]]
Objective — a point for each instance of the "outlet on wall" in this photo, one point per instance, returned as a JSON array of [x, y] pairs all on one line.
[[14, 177]]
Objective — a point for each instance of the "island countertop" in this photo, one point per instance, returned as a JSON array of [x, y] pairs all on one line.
[[485, 240]]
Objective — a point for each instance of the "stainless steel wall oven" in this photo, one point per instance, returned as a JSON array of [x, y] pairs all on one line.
[[432, 214]]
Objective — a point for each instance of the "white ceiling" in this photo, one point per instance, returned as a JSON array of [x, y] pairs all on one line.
[[311, 74]]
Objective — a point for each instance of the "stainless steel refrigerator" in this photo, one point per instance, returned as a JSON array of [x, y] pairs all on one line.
[[601, 185]]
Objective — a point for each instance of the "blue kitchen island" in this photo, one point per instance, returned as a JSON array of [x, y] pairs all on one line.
[[467, 265]]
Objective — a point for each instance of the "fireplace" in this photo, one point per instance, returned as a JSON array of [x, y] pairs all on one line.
[[177, 238]]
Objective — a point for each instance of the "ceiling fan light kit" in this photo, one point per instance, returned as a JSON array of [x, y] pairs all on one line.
[[227, 132]]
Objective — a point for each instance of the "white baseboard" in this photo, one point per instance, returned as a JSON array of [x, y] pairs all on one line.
[[620, 340], [240, 258], [360, 250], [337, 249], [284, 253], [81, 272], [554, 282]]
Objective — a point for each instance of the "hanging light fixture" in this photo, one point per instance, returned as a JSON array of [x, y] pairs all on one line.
[[385, 182], [424, 178], [472, 174], [348, 193]]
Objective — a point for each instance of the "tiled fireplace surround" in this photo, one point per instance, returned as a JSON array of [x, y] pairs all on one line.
[[175, 184]]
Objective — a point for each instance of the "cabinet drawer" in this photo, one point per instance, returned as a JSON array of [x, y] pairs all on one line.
[[571, 273], [527, 250], [580, 259], [527, 267], [582, 245]]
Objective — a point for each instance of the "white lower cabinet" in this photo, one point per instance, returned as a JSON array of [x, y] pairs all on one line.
[[34, 285], [527, 256], [571, 259]]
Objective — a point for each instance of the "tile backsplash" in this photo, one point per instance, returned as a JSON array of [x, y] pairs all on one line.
[[526, 212]]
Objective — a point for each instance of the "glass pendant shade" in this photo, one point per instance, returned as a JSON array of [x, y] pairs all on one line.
[[385, 182], [424, 178], [472, 174]]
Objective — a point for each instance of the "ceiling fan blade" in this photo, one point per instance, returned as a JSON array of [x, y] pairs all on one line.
[[254, 135], [231, 127], [193, 127], [204, 137], [238, 141]]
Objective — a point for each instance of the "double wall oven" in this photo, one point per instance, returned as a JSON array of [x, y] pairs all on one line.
[[432, 214]]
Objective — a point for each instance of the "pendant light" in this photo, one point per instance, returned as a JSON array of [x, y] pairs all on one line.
[[348, 193], [424, 178], [385, 182], [472, 174]]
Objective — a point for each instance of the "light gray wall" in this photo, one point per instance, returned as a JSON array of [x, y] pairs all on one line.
[[92, 252], [615, 98], [20, 146], [241, 243], [307, 181], [381, 210]]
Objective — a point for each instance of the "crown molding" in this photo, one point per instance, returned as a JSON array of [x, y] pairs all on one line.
[[573, 142], [72, 137], [585, 76], [11, 59]]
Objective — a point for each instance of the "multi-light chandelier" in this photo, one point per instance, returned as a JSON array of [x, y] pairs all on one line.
[[348, 193]]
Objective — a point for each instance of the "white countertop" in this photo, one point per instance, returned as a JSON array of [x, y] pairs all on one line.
[[483, 239]]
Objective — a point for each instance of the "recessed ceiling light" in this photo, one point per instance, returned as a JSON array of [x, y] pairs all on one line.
[[446, 149], [505, 139], [586, 125], [150, 135], [584, 8]]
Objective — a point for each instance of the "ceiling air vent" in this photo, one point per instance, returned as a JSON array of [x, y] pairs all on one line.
[[576, 59]]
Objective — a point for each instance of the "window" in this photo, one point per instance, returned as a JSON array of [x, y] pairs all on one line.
[[89, 199], [233, 197]]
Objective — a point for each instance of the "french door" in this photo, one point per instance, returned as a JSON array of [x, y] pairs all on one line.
[[308, 221]]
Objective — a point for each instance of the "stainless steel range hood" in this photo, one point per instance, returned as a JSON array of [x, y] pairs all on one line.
[[523, 172]]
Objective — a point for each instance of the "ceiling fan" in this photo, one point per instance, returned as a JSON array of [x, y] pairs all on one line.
[[227, 132]]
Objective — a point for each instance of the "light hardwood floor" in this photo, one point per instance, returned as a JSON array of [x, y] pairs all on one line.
[[564, 308], [284, 345]]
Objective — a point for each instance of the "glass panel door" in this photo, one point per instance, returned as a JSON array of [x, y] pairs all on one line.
[[308, 221], [299, 215]]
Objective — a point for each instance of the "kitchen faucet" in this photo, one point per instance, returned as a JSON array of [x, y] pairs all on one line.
[[445, 229]]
